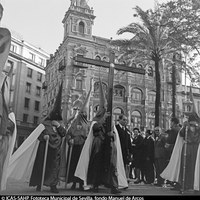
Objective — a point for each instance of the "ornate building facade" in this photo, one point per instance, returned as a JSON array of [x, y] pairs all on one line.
[[133, 94]]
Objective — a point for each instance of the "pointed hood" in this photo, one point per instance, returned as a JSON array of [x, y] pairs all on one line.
[[56, 113], [85, 107], [81, 117], [102, 102]]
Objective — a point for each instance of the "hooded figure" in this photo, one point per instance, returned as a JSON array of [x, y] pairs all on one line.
[[55, 132], [91, 165], [56, 113], [184, 166], [75, 139]]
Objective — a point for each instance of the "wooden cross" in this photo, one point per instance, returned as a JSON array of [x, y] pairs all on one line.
[[112, 66]]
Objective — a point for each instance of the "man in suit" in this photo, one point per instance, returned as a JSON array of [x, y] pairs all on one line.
[[172, 135], [160, 155], [125, 140], [149, 157]]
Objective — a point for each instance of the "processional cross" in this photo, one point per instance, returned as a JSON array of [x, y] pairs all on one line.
[[112, 66]]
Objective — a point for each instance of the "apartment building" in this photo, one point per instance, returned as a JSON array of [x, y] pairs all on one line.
[[27, 63]]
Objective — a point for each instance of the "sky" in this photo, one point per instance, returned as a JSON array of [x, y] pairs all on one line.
[[39, 22]]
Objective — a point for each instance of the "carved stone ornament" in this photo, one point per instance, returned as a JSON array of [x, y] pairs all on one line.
[[78, 49]]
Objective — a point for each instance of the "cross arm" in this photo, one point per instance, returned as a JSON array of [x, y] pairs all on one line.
[[100, 63]]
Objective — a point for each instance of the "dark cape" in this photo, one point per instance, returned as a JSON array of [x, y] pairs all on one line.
[[138, 152], [79, 137], [173, 171], [83, 163], [96, 163], [193, 140], [125, 142], [53, 156]]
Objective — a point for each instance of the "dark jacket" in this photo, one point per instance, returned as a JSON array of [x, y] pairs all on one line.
[[125, 142], [171, 138], [159, 147]]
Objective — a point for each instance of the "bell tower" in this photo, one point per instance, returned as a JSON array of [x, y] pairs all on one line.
[[78, 20]]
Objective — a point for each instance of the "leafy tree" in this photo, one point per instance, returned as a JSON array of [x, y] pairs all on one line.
[[151, 41], [183, 21], [172, 28]]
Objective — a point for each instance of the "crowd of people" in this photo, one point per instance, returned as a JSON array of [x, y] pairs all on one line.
[[145, 157]]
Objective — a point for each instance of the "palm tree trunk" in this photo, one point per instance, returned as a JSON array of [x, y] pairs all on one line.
[[158, 87]]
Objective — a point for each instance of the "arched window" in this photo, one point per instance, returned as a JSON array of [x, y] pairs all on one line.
[[133, 65], [151, 97], [188, 108], [151, 120], [81, 27], [136, 95], [79, 83], [98, 58], [96, 89], [140, 66], [105, 59], [136, 119], [116, 113], [150, 71], [119, 91]]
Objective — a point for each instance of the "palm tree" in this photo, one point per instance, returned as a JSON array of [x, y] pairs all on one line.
[[150, 42]]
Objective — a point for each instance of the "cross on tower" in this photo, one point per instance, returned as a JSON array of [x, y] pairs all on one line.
[[112, 66]]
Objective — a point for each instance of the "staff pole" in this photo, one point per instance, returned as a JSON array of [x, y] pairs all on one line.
[[68, 164], [184, 160], [46, 137]]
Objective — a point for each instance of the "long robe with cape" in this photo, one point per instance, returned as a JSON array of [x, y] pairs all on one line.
[[21, 162], [172, 171], [53, 156], [82, 166]]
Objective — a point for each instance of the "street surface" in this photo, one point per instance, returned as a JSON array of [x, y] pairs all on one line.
[[19, 188]]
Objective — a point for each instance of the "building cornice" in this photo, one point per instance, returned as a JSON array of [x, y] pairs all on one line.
[[21, 58]]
